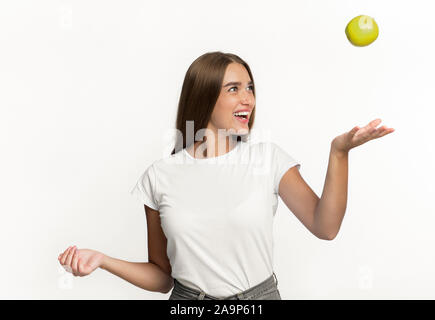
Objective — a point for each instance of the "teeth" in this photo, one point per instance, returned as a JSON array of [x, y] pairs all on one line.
[[243, 113]]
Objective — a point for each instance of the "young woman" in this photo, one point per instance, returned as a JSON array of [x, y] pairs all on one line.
[[210, 203]]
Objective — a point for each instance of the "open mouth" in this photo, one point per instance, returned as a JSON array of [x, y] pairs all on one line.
[[243, 115]]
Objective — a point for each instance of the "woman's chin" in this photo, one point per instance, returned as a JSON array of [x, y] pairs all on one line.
[[241, 130], [238, 128]]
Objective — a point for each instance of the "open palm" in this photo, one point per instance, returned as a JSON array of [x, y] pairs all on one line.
[[357, 136]]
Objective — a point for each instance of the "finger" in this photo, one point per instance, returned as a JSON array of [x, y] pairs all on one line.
[[66, 250], [384, 131], [70, 255], [78, 267], [74, 262], [378, 132], [367, 132], [373, 130], [375, 123], [61, 254], [64, 255], [354, 130], [369, 128]]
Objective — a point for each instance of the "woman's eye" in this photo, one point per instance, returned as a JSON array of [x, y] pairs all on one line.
[[252, 88]]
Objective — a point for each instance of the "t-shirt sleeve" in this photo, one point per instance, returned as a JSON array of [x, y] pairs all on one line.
[[145, 188], [281, 162]]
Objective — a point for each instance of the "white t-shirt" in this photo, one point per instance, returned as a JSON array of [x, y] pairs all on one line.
[[217, 214]]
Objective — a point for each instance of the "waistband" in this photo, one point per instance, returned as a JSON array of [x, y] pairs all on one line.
[[241, 295]]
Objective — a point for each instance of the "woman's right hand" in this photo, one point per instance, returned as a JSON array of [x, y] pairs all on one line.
[[80, 262]]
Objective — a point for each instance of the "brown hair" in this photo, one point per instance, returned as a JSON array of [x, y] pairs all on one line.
[[201, 88]]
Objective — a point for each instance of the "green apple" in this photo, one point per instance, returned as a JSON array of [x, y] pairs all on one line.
[[362, 30]]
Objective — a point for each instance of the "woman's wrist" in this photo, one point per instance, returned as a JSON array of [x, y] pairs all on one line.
[[104, 261]]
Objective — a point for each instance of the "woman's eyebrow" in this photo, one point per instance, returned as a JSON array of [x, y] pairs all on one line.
[[236, 83]]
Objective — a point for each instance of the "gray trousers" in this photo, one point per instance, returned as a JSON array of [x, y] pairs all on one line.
[[266, 290]]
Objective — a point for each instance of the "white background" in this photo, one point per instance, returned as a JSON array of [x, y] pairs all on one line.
[[88, 88]]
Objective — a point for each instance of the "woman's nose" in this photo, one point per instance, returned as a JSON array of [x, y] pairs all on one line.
[[246, 98]]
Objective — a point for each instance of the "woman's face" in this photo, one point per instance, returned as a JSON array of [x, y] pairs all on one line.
[[236, 95]]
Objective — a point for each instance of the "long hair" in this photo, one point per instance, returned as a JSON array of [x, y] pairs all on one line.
[[201, 88]]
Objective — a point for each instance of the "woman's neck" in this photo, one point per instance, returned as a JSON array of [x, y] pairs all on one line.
[[206, 149]]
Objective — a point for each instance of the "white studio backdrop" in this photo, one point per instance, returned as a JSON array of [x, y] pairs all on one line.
[[89, 88]]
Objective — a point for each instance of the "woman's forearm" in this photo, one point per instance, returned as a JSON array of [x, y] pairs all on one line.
[[332, 205], [145, 275]]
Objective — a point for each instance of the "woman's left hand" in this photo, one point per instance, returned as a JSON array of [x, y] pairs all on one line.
[[357, 136]]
